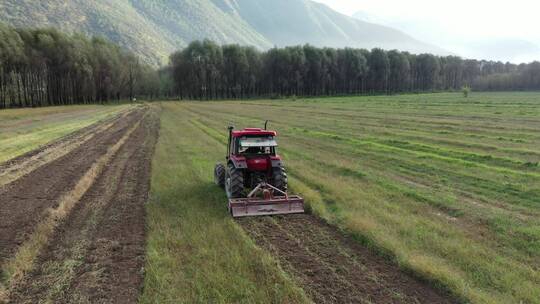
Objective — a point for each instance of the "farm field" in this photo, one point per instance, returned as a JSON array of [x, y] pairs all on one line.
[[24, 130], [445, 187], [197, 253], [72, 213], [412, 199]]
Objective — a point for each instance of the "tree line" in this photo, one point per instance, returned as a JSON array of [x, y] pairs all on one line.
[[40, 67], [205, 70]]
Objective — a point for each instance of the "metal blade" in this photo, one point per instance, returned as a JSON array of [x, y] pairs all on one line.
[[242, 207]]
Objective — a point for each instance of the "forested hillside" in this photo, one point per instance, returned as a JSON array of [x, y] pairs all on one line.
[[154, 29], [45, 67]]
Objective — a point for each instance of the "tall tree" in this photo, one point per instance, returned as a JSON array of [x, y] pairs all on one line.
[[379, 70], [399, 71]]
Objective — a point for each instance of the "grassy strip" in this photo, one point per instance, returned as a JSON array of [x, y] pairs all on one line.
[[22, 131], [16, 170], [195, 252]]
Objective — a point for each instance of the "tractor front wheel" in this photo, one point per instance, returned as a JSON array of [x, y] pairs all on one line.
[[234, 182], [219, 175]]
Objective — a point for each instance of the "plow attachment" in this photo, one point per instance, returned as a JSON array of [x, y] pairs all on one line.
[[261, 201]]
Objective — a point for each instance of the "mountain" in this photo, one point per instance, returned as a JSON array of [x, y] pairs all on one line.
[[154, 29], [475, 47], [501, 49], [286, 22]]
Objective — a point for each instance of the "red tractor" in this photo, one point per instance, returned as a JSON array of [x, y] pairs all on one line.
[[254, 177]]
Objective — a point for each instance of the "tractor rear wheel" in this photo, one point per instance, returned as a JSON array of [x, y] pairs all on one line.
[[279, 178], [219, 175], [234, 182]]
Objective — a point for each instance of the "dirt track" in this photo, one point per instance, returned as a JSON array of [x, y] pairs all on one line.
[[334, 268], [96, 253]]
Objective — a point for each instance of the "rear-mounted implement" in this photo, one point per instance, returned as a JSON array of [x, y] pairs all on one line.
[[262, 201]]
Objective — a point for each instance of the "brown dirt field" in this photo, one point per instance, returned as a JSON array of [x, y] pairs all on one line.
[[26, 163], [24, 202], [334, 268], [96, 255]]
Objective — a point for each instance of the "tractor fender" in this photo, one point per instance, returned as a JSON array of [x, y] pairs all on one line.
[[239, 162], [276, 162]]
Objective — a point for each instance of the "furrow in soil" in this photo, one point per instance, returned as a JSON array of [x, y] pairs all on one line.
[[97, 253], [334, 268], [24, 203]]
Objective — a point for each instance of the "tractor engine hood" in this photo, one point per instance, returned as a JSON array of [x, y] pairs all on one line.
[[258, 163]]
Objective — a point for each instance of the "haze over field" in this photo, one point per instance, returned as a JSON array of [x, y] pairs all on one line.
[[496, 30]]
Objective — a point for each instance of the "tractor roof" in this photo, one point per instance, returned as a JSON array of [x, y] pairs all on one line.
[[253, 132]]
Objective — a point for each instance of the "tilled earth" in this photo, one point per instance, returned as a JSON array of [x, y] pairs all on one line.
[[96, 254], [334, 268]]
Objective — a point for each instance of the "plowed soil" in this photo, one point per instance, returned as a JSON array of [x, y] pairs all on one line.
[[24, 164], [96, 254], [334, 268]]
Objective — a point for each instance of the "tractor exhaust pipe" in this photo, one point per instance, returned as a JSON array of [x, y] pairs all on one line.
[[231, 128]]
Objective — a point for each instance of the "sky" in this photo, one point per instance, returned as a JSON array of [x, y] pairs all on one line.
[[502, 30]]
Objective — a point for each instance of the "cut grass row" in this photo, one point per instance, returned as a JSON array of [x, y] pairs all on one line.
[[467, 220]]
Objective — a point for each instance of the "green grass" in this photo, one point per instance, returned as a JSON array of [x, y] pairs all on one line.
[[447, 187], [24, 130], [195, 252]]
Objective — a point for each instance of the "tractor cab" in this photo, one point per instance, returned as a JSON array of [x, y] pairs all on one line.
[[253, 149], [252, 141], [256, 145]]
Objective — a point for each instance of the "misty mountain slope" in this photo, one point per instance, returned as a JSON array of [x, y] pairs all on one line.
[[189, 20], [115, 20], [154, 29], [288, 22], [513, 49]]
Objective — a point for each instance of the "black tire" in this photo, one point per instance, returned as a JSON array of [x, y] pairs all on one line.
[[219, 175], [234, 182], [279, 179]]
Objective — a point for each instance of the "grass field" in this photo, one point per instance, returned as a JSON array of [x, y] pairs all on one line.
[[447, 187], [23, 130]]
